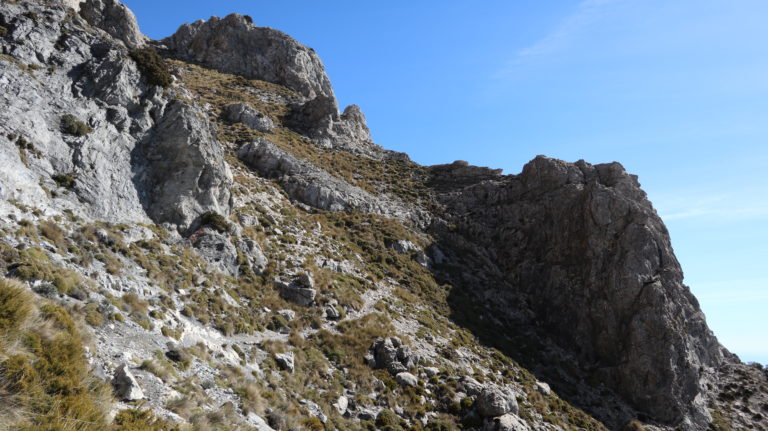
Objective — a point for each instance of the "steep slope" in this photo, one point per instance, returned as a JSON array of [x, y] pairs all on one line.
[[208, 233]]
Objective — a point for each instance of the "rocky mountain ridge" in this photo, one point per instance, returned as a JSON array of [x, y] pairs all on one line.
[[245, 257]]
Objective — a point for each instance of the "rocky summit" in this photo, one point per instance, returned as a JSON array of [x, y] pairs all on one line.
[[193, 236]]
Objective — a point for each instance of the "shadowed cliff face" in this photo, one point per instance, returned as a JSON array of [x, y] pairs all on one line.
[[585, 250]]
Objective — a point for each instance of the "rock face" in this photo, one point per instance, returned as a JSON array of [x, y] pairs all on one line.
[[234, 45], [587, 251], [114, 18], [182, 143], [121, 167]]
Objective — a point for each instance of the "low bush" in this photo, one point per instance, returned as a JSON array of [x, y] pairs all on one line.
[[72, 126], [141, 420], [3, 31], [53, 232], [215, 221], [47, 377], [94, 318], [152, 66], [34, 264], [15, 307], [64, 180]]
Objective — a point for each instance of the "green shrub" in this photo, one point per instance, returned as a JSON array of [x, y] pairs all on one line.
[[34, 264], [3, 31], [215, 221], [72, 126], [53, 232], [389, 420], [141, 420], [313, 424], [64, 180], [18, 374], [152, 66], [276, 322], [94, 318], [15, 307], [49, 379]]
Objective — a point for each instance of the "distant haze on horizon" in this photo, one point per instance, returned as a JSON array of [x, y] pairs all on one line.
[[675, 91]]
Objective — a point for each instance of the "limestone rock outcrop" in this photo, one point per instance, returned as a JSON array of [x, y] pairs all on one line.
[[233, 44], [391, 354], [585, 249], [242, 113], [120, 169], [182, 143], [315, 187], [114, 18], [494, 401]]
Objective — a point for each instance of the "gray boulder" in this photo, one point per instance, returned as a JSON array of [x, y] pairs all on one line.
[[115, 19], [403, 246], [243, 113], [471, 386], [495, 401], [406, 379], [305, 182], [391, 354], [285, 361], [216, 250], [331, 313], [300, 291], [126, 386], [341, 405], [288, 315], [252, 251], [543, 388], [507, 422]]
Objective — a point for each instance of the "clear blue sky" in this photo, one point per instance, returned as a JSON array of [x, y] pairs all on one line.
[[676, 90]]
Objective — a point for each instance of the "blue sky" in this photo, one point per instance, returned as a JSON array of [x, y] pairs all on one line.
[[675, 90]]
